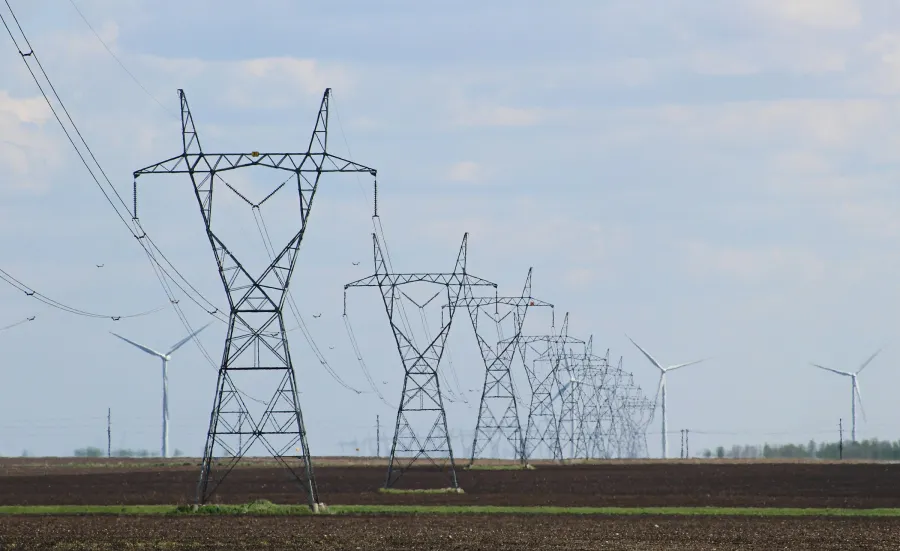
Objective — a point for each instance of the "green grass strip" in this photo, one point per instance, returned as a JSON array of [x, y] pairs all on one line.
[[266, 508], [610, 511], [476, 467], [421, 491]]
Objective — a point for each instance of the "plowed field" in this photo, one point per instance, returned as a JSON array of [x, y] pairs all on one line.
[[500, 533], [850, 485]]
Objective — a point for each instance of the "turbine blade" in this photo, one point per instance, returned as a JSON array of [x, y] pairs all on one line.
[[679, 366], [867, 362], [186, 339], [832, 370], [141, 346], [859, 397], [649, 357]]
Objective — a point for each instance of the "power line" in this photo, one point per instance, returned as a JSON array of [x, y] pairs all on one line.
[[142, 237], [119, 61], [270, 250], [18, 284], [16, 324]]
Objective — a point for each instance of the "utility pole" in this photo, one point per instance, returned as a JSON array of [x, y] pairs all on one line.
[[841, 441], [108, 432], [256, 344], [377, 436], [682, 443], [687, 443]]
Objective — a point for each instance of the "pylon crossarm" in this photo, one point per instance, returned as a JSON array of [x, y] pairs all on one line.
[[503, 301], [199, 163], [396, 280]]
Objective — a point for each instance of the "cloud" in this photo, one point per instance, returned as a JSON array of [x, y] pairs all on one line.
[[883, 74], [753, 265], [254, 79], [500, 116], [465, 171], [876, 219], [721, 63], [827, 124], [257, 83], [818, 14], [580, 277], [26, 152], [28, 110]]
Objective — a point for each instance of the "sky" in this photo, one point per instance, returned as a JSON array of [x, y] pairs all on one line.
[[711, 179]]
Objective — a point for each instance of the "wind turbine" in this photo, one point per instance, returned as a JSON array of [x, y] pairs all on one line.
[[854, 389], [165, 372], [662, 389]]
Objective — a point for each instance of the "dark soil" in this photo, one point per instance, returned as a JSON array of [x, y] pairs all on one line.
[[570, 533], [854, 485]]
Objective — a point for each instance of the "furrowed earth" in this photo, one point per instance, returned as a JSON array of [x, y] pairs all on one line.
[[439, 532], [67, 481], [613, 484]]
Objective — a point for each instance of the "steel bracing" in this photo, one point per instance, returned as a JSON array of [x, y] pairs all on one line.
[[256, 343], [542, 432], [498, 393], [611, 413], [421, 403]]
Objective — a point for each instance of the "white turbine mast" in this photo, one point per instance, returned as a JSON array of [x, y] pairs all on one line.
[[165, 373], [662, 389], [854, 390]]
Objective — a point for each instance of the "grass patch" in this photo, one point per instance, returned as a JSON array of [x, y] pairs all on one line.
[[259, 507], [611, 511], [526, 467], [422, 491], [266, 508]]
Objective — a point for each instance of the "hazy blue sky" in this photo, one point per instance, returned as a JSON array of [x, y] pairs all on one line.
[[711, 178]]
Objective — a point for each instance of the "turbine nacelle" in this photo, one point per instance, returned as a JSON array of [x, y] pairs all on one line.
[[165, 357], [855, 394], [661, 389]]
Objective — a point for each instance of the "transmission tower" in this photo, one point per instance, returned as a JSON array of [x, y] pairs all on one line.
[[542, 428], [256, 343], [421, 403], [498, 384], [591, 401]]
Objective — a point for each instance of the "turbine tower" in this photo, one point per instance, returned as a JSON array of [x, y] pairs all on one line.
[[854, 389], [662, 389], [165, 375]]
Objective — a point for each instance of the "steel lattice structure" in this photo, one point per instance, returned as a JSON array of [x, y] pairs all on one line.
[[610, 412], [421, 402], [543, 425], [498, 386], [256, 342]]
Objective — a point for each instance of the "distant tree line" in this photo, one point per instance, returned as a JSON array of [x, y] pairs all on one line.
[[91, 451], [873, 449]]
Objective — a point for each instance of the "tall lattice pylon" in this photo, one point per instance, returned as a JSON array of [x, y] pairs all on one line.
[[542, 427], [421, 403], [256, 343], [498, 393]]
